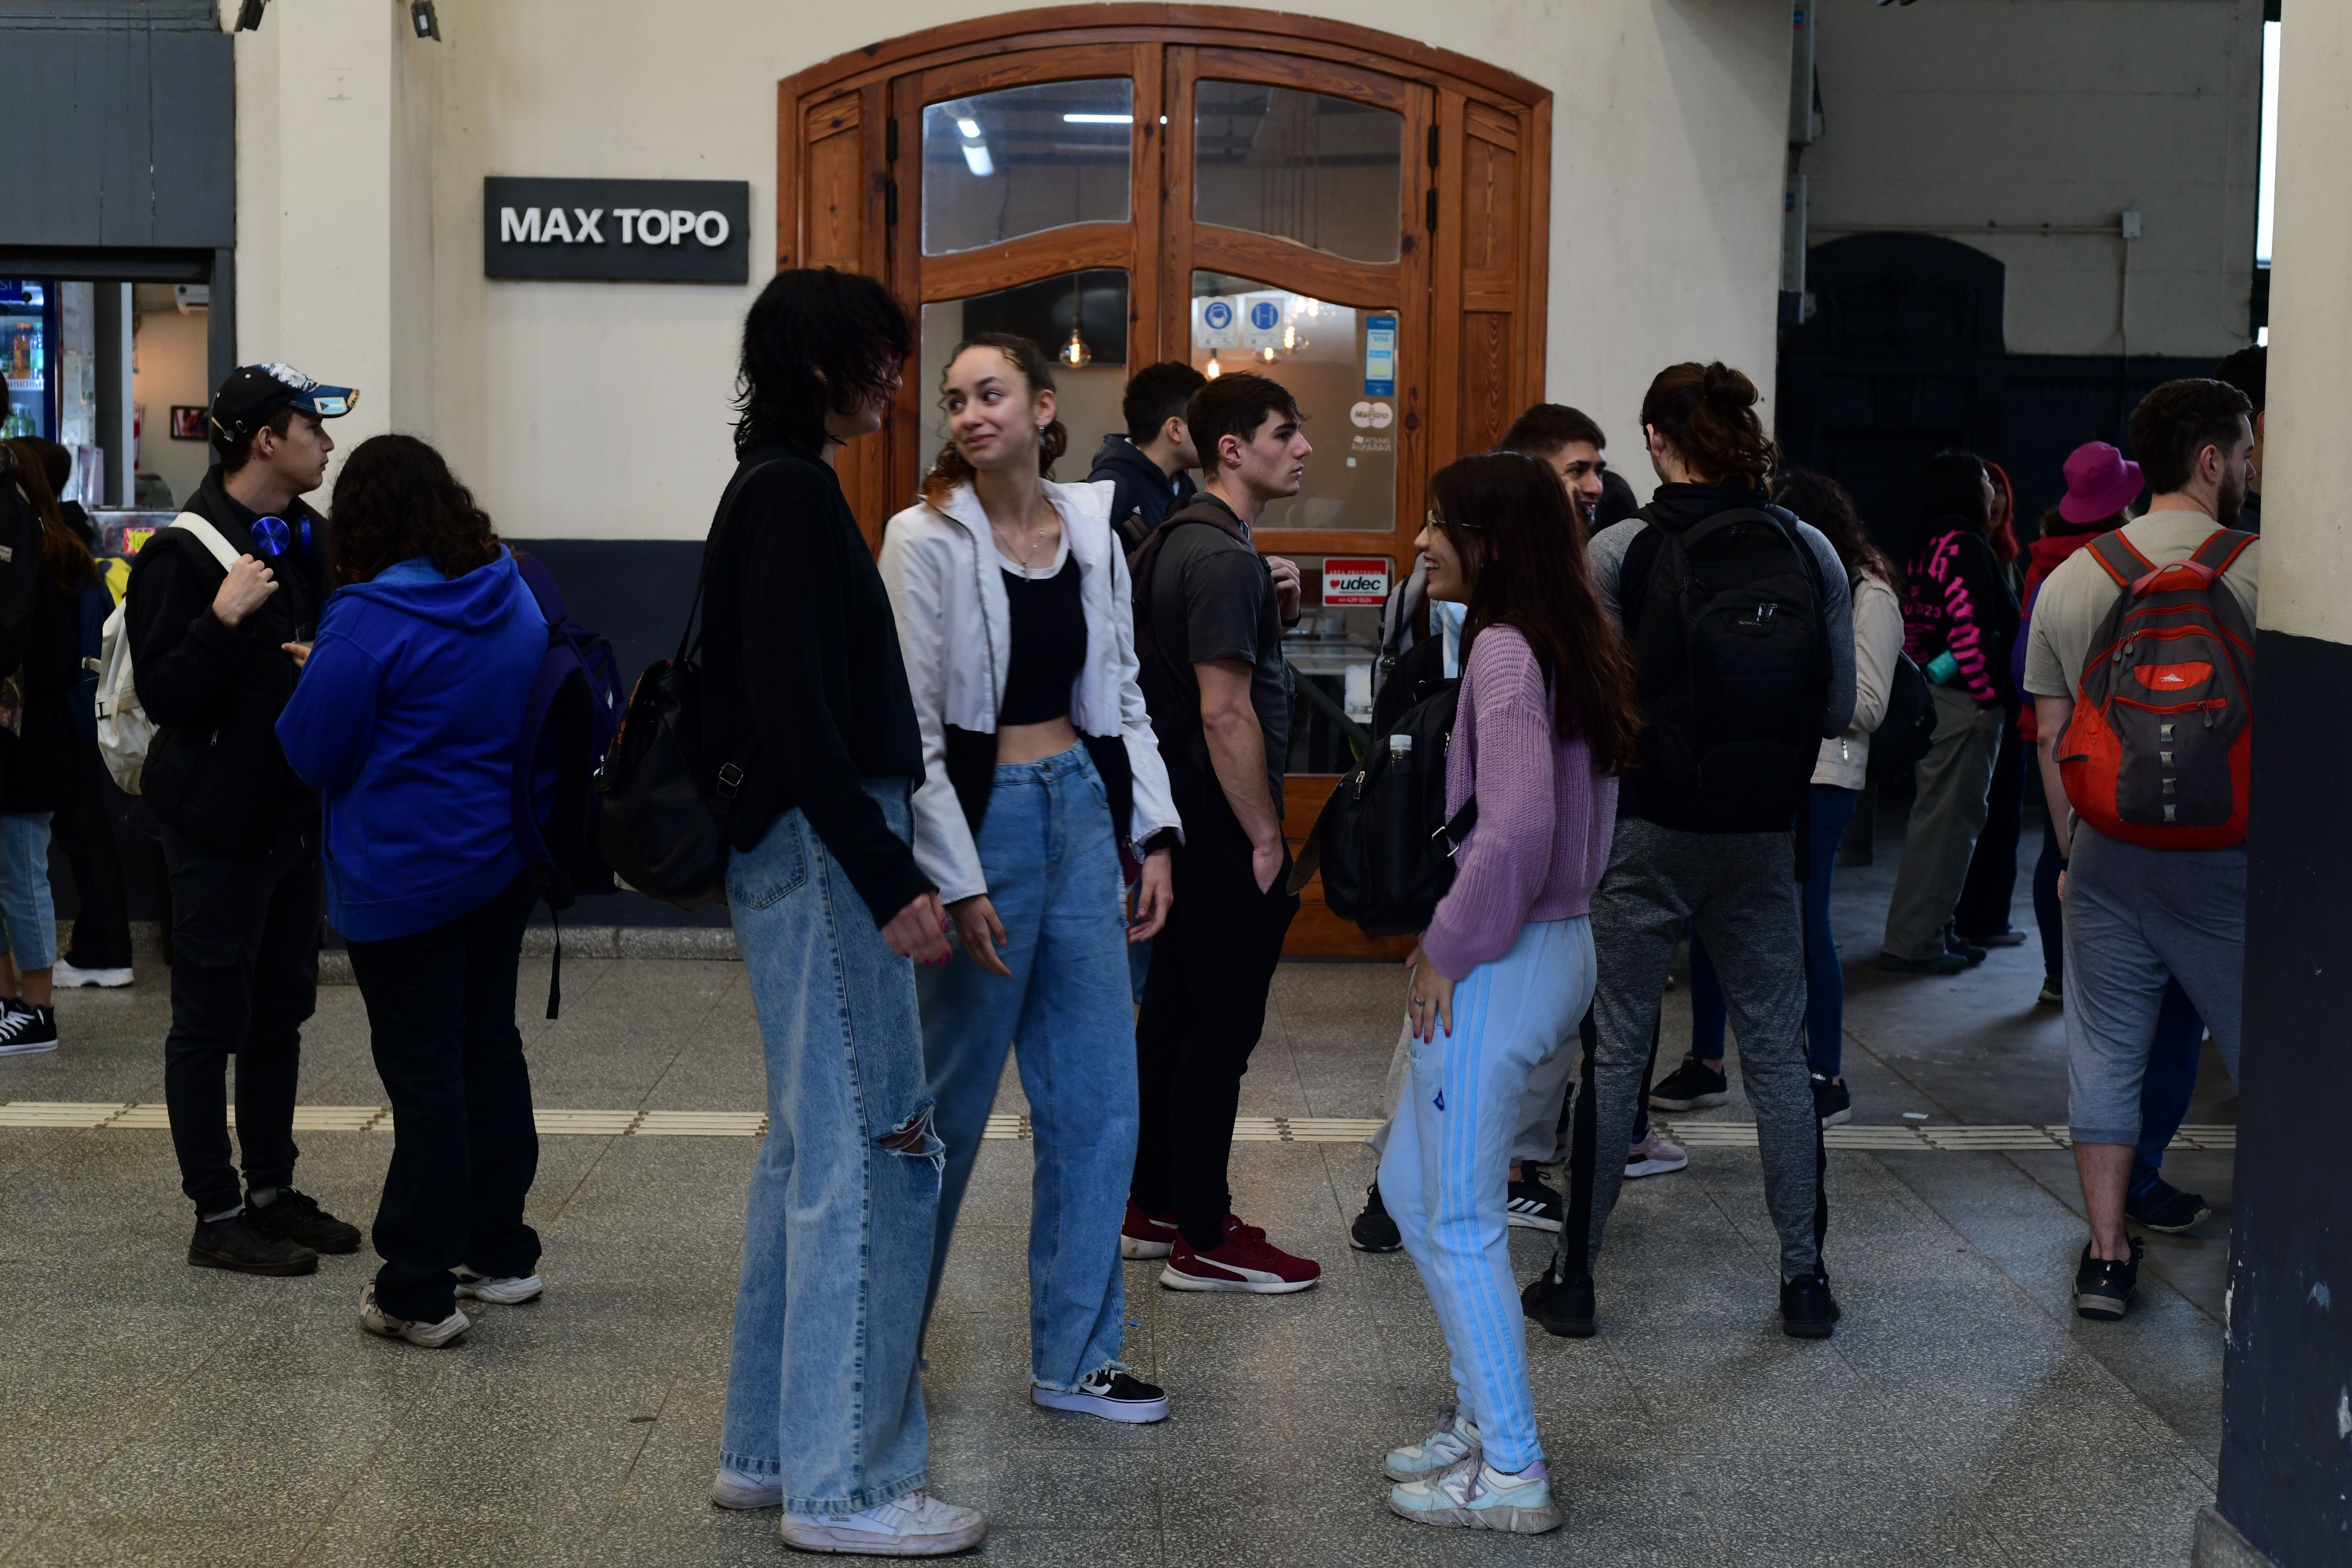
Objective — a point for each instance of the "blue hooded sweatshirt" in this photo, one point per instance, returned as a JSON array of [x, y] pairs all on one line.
[[406, 718]]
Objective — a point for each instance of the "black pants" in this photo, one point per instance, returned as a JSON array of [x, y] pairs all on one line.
[[1204, 1009], [1983, 908], [245, 941], [441, 1021], [85, 835]]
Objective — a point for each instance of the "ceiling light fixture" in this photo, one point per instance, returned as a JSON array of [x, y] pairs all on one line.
[[976, 158], [970, 128], [1076, 354], [1098, 119]]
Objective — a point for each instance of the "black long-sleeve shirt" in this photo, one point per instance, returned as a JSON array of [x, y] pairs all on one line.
[[802, 684]]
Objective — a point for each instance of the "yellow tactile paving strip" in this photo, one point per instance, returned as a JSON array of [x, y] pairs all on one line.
[[115, 1117]]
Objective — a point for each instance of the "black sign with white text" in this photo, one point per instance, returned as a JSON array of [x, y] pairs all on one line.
[[660, 231]]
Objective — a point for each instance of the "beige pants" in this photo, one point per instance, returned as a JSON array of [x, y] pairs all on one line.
[[1955, 783]]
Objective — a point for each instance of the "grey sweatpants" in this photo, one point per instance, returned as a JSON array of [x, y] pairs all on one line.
[[1955, 782], [1742, 889], [2134, 917]]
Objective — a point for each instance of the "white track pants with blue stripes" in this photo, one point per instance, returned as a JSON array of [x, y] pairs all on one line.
[[1445, 1174]]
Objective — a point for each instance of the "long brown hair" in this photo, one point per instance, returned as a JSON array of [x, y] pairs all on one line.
[[1522, 542], [949, 469], [396, 499], [1709, 413], [64, 556]]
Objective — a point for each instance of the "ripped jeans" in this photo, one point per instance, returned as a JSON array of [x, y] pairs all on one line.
[[823, 1389]]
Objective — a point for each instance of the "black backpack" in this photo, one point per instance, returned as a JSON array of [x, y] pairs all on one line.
[[1732, 660], [1383, 842], [654, 826], [1909, 726]]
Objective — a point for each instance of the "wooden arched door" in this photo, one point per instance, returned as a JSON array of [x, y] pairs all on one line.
[[1359, 216]]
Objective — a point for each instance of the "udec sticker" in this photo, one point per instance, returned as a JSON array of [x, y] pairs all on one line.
[[1355, 579]]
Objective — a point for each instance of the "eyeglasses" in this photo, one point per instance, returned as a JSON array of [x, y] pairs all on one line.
[[1437, 522]]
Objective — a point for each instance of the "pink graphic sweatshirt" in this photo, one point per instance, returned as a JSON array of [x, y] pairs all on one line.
[[1545, 817]]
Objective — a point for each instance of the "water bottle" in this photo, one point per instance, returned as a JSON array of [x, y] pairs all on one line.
[[1399, 747]]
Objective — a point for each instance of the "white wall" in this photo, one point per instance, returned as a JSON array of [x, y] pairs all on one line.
[[601, 409], [169, 367], [1956, 113]]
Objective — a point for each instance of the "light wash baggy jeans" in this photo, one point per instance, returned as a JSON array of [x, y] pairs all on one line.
[[1053, 871], [822, 1388], [1445, 1174]]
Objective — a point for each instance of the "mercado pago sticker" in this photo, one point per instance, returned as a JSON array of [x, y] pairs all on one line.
[[1379, 356], [1355, 579]]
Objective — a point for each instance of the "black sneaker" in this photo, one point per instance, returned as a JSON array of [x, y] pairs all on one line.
[[1808, 1310], [1963, 948], [1831, 1103], [298, 1217], [1109, 1394], [27, 1031], [1564, 1307], [1374, 1231], [1940, 964], [2103, 1287], [1533, 1206], [2054, 992], [244, 1244], [2165, 1207], [1693, 1086], [2008, 937]]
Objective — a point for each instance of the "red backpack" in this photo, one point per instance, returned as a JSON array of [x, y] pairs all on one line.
[[2158, 750]]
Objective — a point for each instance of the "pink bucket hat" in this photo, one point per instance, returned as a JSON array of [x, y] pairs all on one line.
[[2099, 483]]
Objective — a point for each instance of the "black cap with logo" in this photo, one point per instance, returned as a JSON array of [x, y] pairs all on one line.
[[254, 393]]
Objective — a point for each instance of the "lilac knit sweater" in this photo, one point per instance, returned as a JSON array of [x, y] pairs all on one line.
[[1544, 816]]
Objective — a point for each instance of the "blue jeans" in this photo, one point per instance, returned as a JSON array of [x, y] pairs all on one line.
[[822, 1387], [1052, 865], [29, 913], [1444, 1175], [1832, 809]]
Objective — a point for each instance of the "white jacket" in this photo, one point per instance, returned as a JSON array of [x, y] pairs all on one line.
[[947, 590], [1877, 638]]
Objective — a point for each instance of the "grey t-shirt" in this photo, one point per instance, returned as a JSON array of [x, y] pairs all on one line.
[[1212, 597]]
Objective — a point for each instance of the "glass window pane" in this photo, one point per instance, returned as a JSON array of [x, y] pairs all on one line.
[[1000, 164], [1093, 301], [1326, 172], [1341, 364]]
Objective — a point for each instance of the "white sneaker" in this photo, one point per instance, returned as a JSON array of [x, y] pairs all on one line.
[[506, 1292], [432, 1336], [1474, 1494], [916, 1525], [742, 1489], [1453, 1441], [1654, 1156], [67, 976]]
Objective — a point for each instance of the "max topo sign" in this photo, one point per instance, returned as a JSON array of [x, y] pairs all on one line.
[[680, 231]]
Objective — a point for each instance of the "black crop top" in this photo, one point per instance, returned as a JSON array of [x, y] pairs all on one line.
[[1049, 645]]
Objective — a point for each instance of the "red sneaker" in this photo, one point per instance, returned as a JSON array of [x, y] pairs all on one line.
[[1245, 1261], [1146, 1235]]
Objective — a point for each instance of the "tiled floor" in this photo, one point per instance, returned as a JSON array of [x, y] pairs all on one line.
[[152, 1413]]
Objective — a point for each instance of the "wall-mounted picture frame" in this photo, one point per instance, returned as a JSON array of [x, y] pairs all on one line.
[[188, 421]]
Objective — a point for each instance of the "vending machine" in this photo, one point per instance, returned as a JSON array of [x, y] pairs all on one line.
[[28, 339]]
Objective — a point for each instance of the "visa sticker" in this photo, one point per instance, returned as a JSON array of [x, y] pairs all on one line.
[[1379, 356]]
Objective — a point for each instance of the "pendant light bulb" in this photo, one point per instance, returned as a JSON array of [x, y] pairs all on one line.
[[1075, 353], [1212, 369]]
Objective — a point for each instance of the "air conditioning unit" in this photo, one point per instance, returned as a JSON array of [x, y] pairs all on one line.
[[193, 297]]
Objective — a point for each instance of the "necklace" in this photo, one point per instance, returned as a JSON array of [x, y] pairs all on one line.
[[1035, 539]]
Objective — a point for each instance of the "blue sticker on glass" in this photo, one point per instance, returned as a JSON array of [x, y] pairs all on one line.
[[1265, 315], [1217, 315], [1379, 356]]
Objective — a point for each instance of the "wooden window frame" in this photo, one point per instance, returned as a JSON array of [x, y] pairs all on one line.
[[848, 195]]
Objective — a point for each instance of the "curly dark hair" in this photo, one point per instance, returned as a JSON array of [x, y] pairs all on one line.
[[396, 499], [1522, 544], [950, 468], [1821, 501], [816, 341]]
